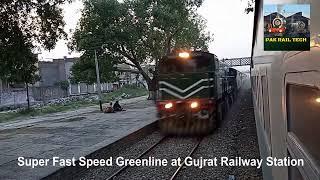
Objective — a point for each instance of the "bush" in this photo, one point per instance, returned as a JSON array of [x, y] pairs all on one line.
[[125, 92], [25, 111]]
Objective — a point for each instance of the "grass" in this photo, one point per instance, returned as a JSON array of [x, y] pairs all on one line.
[[130, 91]]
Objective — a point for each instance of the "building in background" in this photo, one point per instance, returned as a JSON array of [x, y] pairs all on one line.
[[58, 71], [56, 74], [55, 71], [128, 75]]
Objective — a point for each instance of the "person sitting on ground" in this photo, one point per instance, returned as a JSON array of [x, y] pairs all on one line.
[[109, 108], [117, 107]]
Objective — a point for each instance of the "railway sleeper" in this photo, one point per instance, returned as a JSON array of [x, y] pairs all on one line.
[[188, 126]]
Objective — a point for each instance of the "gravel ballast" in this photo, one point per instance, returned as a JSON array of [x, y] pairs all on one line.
[[171, 148], [236, 137], [129, 152]]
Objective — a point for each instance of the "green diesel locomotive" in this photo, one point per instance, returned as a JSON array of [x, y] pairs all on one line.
[[194, 92]]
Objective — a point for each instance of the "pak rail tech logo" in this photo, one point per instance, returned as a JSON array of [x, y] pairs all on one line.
[[287, 27]]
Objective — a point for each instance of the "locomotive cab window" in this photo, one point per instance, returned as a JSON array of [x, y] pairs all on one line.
[[177, 65], [303, 112]]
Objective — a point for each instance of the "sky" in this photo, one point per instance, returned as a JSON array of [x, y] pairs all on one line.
[[72, 14], [226, 19], [288, 9]]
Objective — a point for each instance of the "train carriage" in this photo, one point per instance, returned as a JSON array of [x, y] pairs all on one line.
[[286, 95]]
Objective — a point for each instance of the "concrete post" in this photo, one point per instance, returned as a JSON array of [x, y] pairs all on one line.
[[70, 91]]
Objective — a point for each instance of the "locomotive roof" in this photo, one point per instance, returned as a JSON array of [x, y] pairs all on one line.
[[192, 53]]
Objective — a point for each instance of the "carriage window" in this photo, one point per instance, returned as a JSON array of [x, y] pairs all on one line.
[[200, 64], [303, 108]]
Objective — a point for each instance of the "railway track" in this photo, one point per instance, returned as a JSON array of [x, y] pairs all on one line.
[[231, 139], [189, 155], [153, 146]]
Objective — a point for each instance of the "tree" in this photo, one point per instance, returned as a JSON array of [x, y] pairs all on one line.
[[137, 32], [250, 6], [24, 26], [84, 69]]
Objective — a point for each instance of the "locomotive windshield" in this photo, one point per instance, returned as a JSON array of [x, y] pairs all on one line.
[[177, 65]]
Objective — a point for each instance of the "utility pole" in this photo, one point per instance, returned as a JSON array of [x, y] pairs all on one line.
[[98, 79], [0, 91], [28, 97], [98, 75]]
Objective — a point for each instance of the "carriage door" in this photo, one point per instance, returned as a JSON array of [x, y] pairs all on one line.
[[303, 123]]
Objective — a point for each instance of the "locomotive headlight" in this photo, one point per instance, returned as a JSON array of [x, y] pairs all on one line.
[[184, 55], [168, 105], [194, 104], [314, 43], [318, 100]]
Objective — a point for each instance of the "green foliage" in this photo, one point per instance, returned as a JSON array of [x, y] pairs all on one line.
[[139, 31], [127, 91], [250, 6], [25, 25], [84, 69], [30, 111]]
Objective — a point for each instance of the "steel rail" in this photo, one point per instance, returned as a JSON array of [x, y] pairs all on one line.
[[189, 155], [140, 155]]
